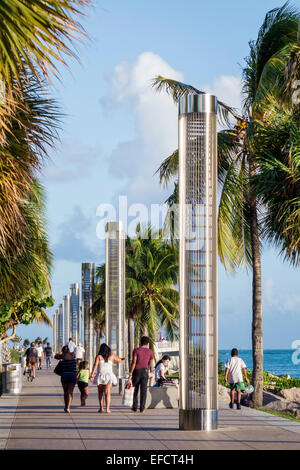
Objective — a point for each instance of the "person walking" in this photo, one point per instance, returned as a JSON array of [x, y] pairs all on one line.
[[31, 358], [71, 345], [142, 360], [79, 353], [235, 368], [105, 376], [68, 376], [48, 354], [40, 352], [83, 381]]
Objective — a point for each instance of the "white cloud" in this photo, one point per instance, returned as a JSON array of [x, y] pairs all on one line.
[[156, 122], [279, 300]]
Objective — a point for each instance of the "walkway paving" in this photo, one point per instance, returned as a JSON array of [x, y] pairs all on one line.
[[40, 423]]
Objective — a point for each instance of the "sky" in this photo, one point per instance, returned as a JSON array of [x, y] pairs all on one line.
[[116, 131]]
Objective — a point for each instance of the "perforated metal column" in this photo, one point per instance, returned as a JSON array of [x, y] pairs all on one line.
[[66, 315], [87, 298], [198, 261], [74, 312], [60, 328], [54, 338], [115, 292]]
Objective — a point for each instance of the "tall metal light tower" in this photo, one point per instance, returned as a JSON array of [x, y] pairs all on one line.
[[87, 298], [54, 340], [198, 261], [60, 328], [74, 312], [66, 315], [115, 322]]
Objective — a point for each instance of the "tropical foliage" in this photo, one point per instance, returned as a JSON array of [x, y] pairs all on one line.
[[151, 279], [36, 36]]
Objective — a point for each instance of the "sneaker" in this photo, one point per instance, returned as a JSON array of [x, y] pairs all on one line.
[[231, 405], [238, 406]]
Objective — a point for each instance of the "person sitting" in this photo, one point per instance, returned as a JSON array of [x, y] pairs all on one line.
[[161, 369]]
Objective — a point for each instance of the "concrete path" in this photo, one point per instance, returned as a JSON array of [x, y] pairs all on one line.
[[40, 423]]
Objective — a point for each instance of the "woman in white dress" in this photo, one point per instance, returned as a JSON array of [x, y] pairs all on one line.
[[105, 376]]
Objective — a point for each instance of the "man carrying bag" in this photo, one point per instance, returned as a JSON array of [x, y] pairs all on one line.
[[139, 373]]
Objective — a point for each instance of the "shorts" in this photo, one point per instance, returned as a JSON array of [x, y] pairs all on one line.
[[68, 377], [237, 386], [31, 361], [82, 385]]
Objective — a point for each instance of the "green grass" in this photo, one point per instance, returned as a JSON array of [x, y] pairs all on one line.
[[281, 414]]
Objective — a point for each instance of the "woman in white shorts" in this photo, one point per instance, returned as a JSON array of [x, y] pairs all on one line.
[[105, 376]]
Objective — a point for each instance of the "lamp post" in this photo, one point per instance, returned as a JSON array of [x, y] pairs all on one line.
[[87, 298], [198, 261], [115, 322]]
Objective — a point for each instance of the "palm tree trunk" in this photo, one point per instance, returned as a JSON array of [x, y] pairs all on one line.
[[257, 331], [7, 355]]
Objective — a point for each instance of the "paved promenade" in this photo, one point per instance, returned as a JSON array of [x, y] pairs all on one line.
[[39, 422]]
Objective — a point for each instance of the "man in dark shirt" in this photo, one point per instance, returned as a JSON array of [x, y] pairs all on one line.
[[48, 355], [31, 358], [139, 372]]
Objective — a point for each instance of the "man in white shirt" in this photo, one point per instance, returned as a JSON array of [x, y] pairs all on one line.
[[79, 353], [235, 367], [71, 345], [40, 352]]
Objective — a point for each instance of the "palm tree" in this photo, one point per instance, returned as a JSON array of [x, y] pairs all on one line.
[[30, 269], [35, 35], [98, 307], [240, 221], [151, 277], [35, 38], [29, 133], [151, 297], [26, 343]]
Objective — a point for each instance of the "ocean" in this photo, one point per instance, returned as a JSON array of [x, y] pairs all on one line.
[[276, 361]]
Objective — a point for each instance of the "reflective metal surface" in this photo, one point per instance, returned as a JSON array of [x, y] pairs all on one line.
[[205, 103], [87, 323], [74, 312], [115, 292], [198, 259], [12, 379], [198, 420], [66, 318]]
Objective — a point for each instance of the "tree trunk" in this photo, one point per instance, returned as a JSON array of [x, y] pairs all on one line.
[[136, 337], [7, 355], [257, 331]]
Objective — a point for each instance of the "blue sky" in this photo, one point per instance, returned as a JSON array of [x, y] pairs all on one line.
[[117, 130]]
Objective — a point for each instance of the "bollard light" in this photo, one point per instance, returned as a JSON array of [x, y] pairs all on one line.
[[198, 261], [115, 292]]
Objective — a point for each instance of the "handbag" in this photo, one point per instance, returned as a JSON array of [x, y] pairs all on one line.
[[128, 394], [59, 368]]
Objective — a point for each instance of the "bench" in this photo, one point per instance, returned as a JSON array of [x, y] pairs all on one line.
[[162, 397]]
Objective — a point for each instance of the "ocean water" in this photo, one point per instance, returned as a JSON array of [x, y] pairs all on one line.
[[276, 361]]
